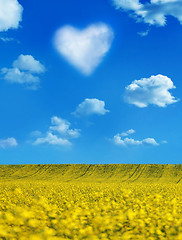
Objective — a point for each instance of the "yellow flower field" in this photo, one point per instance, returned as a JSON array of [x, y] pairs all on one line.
[[55, 209]]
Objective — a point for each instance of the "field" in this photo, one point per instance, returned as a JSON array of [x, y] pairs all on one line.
[[78, 202]]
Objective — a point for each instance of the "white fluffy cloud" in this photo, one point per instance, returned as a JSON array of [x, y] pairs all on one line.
[[91, 106], [153, 90], [84, 49], [9, 142], [153, 13], [28, 63], [25, 71], [62, 127], [52, 140], [127, 4], [14, 75], [59, 133], [10, 14], [122, 140]]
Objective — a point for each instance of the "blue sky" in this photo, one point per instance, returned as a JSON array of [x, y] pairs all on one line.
[[90, 81]]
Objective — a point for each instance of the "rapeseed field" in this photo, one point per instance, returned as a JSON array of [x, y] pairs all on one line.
[[82, 207]]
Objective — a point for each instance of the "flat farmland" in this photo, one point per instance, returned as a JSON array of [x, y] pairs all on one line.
[[113, 201]]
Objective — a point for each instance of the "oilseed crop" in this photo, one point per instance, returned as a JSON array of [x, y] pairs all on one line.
[[78, 202]]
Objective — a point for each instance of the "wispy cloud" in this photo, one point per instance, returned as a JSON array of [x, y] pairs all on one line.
[[130, 131], [153, 13], [144, 33], [10, 14], [121, 140], [25, 71], [84, 49], [35, 133], [59, 133], [153, 90], [91, 106], [9, 142], [8, 39]]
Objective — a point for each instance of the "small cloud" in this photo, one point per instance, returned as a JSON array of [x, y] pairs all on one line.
[[144, 33], [6, 39], [35, 133], [153, 90], [127, 4], [91, 106], [59, 133], [62, 127], [150, 141], [9, 142], [28, 63], [130, 131], [52, 140], [10, 15], [24, 71], [153, 13], [121, 140], [14, 75], [84, 49]]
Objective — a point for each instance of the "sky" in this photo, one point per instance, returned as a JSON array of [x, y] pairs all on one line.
[[92, 82]]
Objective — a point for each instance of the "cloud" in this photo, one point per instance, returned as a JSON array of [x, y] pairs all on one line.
[[6, 39], [35, 133], [153, 90], [52, 140], [9, 39], [14, 75], [122, 140], [24, 71], [153, 13], [144, 33], [84, 49], [127, 4], [130, 131], [10, 14], [59, 133], [91, 106], [9, 142], [28, 63], [62, 127]]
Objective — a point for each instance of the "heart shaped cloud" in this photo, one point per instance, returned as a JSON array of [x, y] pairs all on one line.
[[84, 49]]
